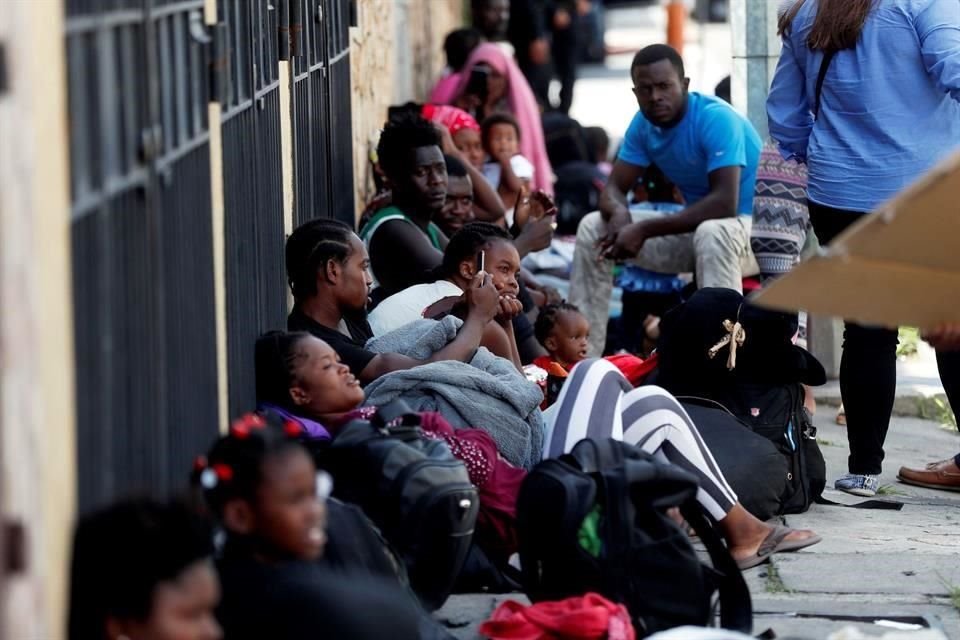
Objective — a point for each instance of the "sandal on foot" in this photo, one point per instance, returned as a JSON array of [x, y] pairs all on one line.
[[776, 542]]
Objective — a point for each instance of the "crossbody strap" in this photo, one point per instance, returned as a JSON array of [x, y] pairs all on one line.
[[736, 607], [827, 57]]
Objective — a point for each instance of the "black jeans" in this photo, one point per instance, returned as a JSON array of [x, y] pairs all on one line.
[[564, 51], [868, 367], [949, 365]]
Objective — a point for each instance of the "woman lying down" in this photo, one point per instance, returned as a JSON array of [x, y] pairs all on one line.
[[302, 377]]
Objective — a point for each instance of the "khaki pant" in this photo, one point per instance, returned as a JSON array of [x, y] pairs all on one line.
[[718, 252]]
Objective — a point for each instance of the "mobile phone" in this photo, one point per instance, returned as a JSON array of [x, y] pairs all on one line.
[[480, 261], [477, 85]]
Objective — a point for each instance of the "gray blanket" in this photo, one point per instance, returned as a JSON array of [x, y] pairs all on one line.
[[489, 393]]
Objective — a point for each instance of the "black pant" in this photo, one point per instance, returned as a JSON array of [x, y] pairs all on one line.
[[868, 367], [538, 77], [564, 51], [949, 365]]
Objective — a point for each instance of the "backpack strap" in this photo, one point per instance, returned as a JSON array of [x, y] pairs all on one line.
[[888, 505], [395, 411], [706, 402], [824, 65], [736, 608]]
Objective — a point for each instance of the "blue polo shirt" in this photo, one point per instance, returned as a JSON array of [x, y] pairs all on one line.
[[710, 136]]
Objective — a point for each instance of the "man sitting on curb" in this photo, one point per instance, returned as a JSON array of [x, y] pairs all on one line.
[[710, 152]]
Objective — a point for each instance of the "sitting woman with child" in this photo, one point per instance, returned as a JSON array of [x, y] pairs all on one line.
[[302, 376], [460, 137], [506, 90]]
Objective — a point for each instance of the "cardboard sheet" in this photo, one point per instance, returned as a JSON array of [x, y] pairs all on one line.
[[898, 266]]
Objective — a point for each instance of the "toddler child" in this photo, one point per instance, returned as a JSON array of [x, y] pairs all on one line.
[[565, 333], [506, 170]]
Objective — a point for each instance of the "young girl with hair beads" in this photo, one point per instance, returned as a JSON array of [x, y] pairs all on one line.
[[264, 489]]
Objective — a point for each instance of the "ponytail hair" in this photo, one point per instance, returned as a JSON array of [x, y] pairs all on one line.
[[233, 467], [837, 25], [311, 246]]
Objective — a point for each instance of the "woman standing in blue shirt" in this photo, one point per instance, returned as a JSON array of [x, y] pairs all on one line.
[[867, 93]]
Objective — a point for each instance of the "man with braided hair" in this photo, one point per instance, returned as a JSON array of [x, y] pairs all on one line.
[[328, 271]]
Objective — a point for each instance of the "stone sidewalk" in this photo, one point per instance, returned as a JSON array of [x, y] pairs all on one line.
[[871, 565]]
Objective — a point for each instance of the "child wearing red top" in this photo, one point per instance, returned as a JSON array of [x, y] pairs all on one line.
[[564, 332]]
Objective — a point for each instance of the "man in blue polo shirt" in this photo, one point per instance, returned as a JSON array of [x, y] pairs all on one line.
[[710, 152]]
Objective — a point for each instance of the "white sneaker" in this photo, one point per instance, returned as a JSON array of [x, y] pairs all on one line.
[[858, 485]]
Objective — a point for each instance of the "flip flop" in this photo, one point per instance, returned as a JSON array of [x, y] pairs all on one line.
[[776, 542]]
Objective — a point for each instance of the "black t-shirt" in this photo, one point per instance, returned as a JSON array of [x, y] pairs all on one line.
[[522, 327], [300, 600], [350, 348]]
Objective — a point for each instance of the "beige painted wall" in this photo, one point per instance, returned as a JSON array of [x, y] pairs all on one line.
[[37, 447], [396, 54]]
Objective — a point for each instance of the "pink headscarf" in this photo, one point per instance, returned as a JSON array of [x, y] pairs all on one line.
[[444, 92], [452, 118], [522, 105]]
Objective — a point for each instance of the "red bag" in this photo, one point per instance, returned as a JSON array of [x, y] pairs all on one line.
[[633, 368], [587, 617]]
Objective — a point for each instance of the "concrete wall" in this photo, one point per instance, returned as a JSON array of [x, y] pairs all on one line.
[[396, 54], [37, 450]]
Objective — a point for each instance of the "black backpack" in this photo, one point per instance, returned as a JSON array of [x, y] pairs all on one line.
[[413, 489], [751, 464], [614, 496], [776, 412]]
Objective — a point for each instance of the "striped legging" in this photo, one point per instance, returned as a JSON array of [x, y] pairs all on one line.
[[596, 401]]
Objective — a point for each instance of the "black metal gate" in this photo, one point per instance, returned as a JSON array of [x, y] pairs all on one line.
[[253, 188], [142, 250], [323, 154], [143, 277]]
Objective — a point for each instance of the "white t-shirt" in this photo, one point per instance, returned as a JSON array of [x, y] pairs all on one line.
[[408, 305], [522, 168], [520, 165]]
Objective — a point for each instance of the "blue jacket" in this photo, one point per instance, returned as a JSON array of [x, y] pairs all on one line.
[[890, 107]]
